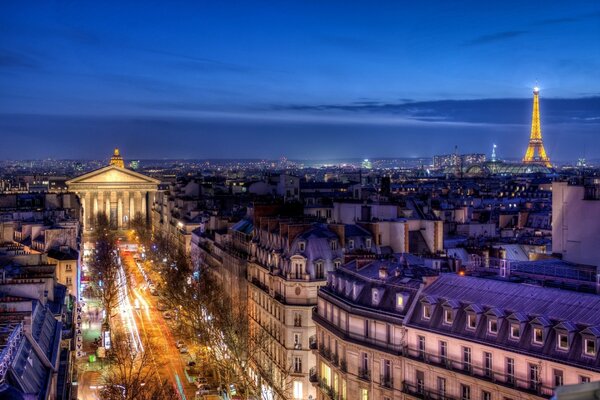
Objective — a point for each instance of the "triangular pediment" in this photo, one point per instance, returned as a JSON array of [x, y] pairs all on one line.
[[113, 175]]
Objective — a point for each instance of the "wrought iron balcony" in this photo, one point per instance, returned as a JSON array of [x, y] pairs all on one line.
[[386, 381], [364, 374]]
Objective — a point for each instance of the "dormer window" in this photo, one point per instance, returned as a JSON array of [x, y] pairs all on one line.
[[375, 296], [351, 244], [337, 264], [589, 347], [471, 321], [333, 244], [562, 341], [427, 311], [448, 316], [368, 243], [515, 331], [538, 335], [301, 246], [400, 301], [493, 326]]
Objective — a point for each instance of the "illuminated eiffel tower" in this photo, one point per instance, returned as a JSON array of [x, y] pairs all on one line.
[[536, 154]]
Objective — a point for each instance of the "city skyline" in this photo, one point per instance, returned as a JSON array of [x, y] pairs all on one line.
[[198, 81]]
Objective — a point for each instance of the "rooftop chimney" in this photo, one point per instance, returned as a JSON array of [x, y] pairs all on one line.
[[383, 272]]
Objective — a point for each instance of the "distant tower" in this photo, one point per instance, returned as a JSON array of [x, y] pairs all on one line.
[[494, 153], [116, 159], [536, 146]]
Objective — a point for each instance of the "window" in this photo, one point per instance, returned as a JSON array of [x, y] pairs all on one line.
[[510, 370], [426, 311], [515, 331], [351, 244], [386, 371], [558, 377], [333, 245], [364, 394], [69, 280], [422, 346], [368, 243], [448, 317], [443, 351], [297, 341], [337, 264], [399, 301], [589, 347], [68, 268], [441, 386], [465, 392], [467, 358], [538, 336], [297, 319], [301, 246], [298, 365], [584, 379], [319, 270], [534, 376], [486, 395], [487, 363], [420, 382], [298, 393], [493, 326], [471, 321], [563, 341], [375, 297]]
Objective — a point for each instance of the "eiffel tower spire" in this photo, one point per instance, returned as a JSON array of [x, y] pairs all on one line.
[[536, 154]]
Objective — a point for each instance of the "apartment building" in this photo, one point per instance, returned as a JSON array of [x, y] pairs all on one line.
[[289, 262], [360, 332], [474, 338]]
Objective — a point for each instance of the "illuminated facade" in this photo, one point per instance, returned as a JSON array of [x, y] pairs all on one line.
[[114, 190], [536, 154]]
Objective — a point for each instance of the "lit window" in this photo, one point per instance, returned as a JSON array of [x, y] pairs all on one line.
[[563, 341], [298, 394], [515, 331], [538, 336], [364, 394], [471, 321], [493, 326], [589, 347], [426, 311], [448, 317], [375, 296], [399, 301]]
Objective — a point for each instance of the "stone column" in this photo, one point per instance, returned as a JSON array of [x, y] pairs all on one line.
[[101, 202], [138, 202], [95, 195], [119, 210], [132, 209], [144, 208], [85, 211], [107, 204], [127, 208]]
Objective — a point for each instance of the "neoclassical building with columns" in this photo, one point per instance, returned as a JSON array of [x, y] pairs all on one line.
[[115, 190]]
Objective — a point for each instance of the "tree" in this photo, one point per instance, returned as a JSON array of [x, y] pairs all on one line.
[[131, 375], [104, 268], [141, 227]]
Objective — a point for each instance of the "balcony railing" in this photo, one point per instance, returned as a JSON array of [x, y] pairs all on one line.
[[312, 375], [386, 381], [364, 374], [487, 374], [420, 393]]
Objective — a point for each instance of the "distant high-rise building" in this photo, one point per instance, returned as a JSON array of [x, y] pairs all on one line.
[[536, 154], [457, 160]]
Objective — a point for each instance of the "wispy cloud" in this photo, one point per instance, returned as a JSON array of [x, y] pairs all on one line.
[[479, 111], [566, 20], [14, 59], [494, 37]]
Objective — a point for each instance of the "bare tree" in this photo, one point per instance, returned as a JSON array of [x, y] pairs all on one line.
[[131, 375], [104, 269], [142, 228]]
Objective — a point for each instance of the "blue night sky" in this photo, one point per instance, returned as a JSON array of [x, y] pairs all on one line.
[[307, 79]]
